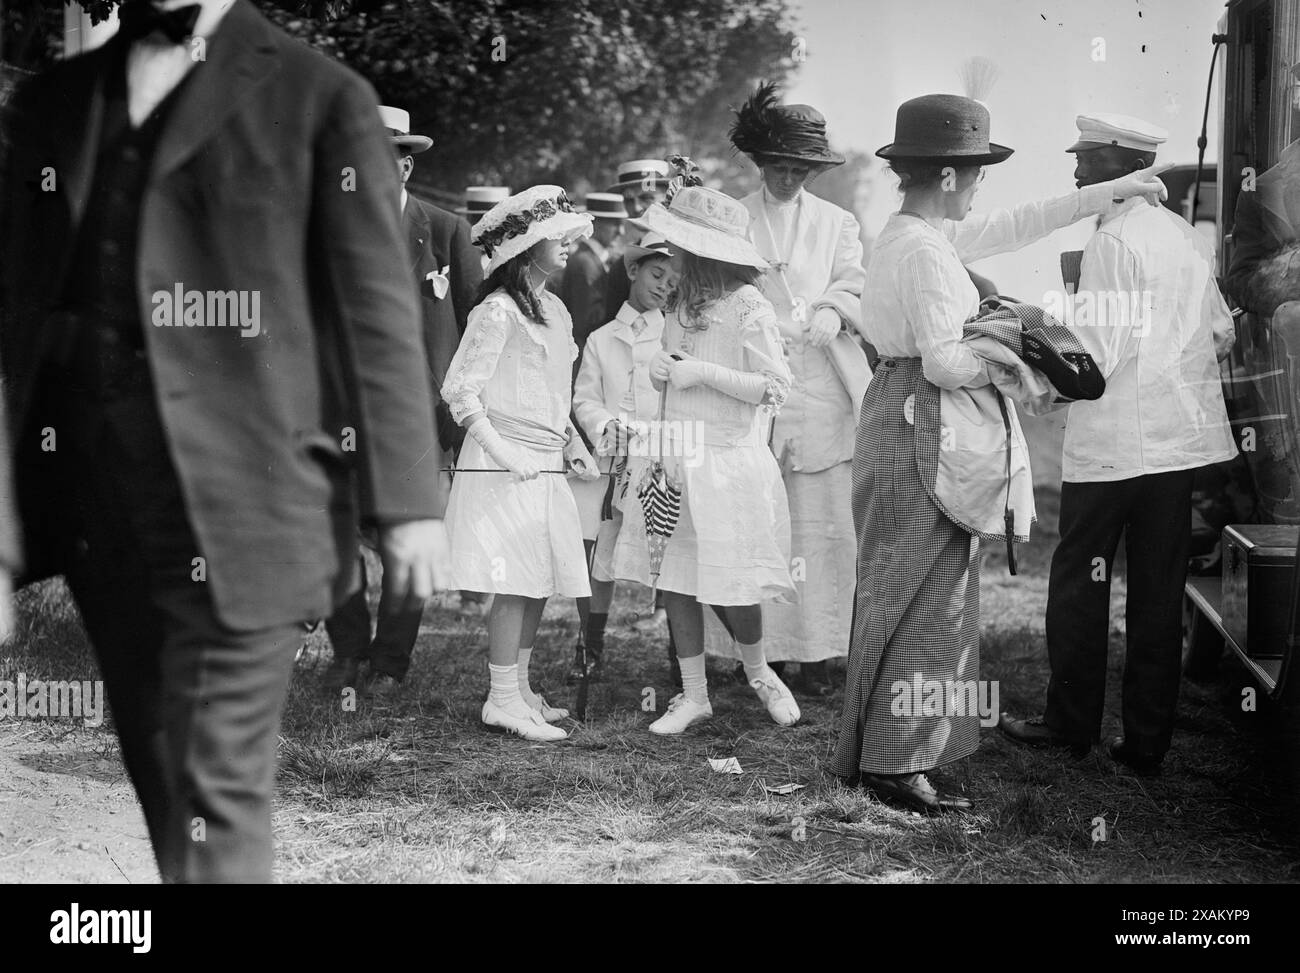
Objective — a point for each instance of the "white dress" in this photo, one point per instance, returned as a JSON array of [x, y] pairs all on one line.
[[510, 536], [731, 545]]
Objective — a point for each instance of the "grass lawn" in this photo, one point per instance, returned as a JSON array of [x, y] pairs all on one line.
[[416, 790]]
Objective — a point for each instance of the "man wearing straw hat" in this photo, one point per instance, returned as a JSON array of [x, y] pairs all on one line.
[[447, 271], [585, 278], [641, 183]]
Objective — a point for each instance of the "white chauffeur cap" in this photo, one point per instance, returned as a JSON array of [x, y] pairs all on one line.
[[1125, 131]]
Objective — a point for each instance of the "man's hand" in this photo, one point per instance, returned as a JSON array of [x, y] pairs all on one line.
[[416, 555], [823, 327]]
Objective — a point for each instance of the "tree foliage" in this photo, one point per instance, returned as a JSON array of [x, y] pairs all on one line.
[[517, 92]]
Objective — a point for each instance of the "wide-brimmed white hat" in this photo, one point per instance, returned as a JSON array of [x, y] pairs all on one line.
[[398, 123], [516, 223], [708, 224]]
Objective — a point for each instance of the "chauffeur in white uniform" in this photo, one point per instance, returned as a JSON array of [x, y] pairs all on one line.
[[1149, 311]]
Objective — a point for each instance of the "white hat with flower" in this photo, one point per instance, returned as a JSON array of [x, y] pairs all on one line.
[[708, 224], [518, 222]]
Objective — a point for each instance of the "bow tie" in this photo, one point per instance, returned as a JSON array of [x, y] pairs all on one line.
[[140, 18]]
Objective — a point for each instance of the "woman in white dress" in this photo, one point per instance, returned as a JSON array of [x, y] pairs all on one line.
[[512, 521], [815, 286]]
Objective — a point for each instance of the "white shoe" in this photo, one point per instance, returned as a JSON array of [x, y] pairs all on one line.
[[551, 714], [682, 712], [531, 726], [777, 698]]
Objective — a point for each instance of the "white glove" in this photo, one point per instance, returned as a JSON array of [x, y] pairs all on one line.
[[1144, 182], [512, 457], [661, 365], [823, 327], [747, 386]]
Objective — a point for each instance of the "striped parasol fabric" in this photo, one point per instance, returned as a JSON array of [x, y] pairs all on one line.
[[661, 502]]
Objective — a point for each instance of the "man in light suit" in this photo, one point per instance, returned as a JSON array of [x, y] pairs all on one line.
[[213, 368], [447, 270]]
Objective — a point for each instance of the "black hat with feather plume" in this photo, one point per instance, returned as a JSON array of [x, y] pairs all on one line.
[[766, 130]]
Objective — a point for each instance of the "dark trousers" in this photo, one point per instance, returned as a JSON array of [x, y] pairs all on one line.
[[196, 705], [395, 631], [1154, 514]]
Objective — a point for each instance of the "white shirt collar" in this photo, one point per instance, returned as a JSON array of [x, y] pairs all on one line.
[[405, 197], [773, 203], [654, 319]]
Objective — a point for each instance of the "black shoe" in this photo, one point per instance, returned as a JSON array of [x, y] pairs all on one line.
[[915, 792], [341, 674], [813, 680], [1142, 764], [1034, 732]]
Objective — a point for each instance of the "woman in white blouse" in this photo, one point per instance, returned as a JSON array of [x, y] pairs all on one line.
[[512, 521], [916, 611]]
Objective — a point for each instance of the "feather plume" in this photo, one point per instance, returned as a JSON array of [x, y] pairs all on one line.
[[978, 75], [758, 124]]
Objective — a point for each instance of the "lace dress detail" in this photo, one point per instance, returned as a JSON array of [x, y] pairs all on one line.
[[515, 370]]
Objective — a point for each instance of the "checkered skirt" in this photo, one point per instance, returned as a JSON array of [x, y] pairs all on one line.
[[916, 608]]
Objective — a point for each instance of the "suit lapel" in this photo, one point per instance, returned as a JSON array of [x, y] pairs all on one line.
[[418, 229], [83, 118], [241, 55]]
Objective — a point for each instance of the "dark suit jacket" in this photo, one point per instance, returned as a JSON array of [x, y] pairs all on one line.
[[440, 239], [583, 291], [1252, 244], [273, 175]]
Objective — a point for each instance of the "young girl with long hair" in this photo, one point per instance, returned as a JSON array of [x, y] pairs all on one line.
[[721, 359], [512, 521]]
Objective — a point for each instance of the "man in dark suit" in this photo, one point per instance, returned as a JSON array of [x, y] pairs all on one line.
[[446, 266], [586, 275], [212, 358]]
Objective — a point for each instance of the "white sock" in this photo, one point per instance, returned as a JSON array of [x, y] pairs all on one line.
[[755, 661], [525, 687], [505, 686], [695, 682]]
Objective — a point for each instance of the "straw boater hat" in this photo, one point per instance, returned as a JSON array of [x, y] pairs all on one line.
[[651, 245], [797, 133], [708, 224], [643, 175], [941, 129], [519, 221], [398, 123], [606, 206], [480, 199]]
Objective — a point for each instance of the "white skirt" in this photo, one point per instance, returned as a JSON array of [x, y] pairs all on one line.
[[515, 537], [732, 542]]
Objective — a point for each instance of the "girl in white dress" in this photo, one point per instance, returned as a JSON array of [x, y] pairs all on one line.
[[722, 358], [511, 518]]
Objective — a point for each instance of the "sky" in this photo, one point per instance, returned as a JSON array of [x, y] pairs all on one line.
[[864, 57]]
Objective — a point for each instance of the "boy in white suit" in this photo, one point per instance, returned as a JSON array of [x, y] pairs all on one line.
[[612, 399]]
